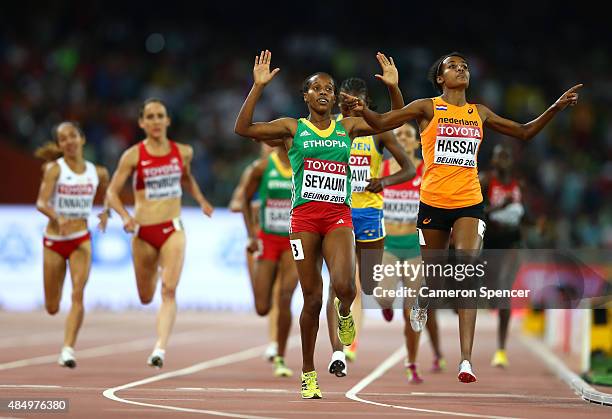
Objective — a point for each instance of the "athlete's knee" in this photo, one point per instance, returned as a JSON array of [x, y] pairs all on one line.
[[77, 296], [52, 307], [285, 297], [146, 285], [168, 293], [313, 303], [262, 308], [145, 297], [344, 290]]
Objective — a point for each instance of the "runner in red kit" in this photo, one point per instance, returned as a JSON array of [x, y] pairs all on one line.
[[161, 169], [504, 211]]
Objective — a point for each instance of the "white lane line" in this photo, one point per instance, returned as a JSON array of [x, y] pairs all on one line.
[[285, 391], [379, 371], [115, 348], [558, 367], [217, 362], [173, 399]]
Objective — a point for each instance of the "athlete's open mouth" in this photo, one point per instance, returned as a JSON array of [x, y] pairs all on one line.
[[323, 101]]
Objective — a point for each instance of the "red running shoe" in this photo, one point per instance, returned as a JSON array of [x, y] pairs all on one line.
[[466, 375], [387, 314]]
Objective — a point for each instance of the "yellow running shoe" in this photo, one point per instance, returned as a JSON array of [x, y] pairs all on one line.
[[280, 369], [439, 364], [351, 351], [346, 326], [500, 359], [310, 386]]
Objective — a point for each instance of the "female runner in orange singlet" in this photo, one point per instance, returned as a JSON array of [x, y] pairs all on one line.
[[451, 198]]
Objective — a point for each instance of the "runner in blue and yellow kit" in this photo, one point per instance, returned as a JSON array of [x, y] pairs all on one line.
[[367, 204]]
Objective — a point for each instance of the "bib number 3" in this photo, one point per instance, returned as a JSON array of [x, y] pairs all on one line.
[[296, 249]]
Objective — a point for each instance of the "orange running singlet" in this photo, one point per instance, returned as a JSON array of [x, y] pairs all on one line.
[[450, 150]]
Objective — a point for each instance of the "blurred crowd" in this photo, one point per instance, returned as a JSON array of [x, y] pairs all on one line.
[[97, 69]]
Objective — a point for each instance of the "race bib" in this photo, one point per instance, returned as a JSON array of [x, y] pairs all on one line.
[[457, 145], [360, 172], [401, 206], [74, 201], [324, 180], [277, 215], [163, 182]]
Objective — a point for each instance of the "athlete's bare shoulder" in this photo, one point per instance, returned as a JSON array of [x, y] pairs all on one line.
[[51, 170], [130, 156], [426, 105], [483, 111], [422, 110], [183, 147], [425, 102], [289, 122], [186, 150]]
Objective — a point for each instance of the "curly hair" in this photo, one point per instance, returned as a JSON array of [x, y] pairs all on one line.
[[357, 87]]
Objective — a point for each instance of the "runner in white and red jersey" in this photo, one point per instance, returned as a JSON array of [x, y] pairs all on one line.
[[161, 168], [66, 197]]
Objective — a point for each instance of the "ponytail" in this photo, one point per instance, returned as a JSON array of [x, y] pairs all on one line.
[[48, 152]]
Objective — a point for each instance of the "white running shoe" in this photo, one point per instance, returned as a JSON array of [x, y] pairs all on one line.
[[66, 358], [271, 351], [418, 318], [337, 365], [466, 375], [156, 359]]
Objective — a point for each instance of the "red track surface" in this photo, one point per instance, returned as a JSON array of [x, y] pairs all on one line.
[[243, 384]]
